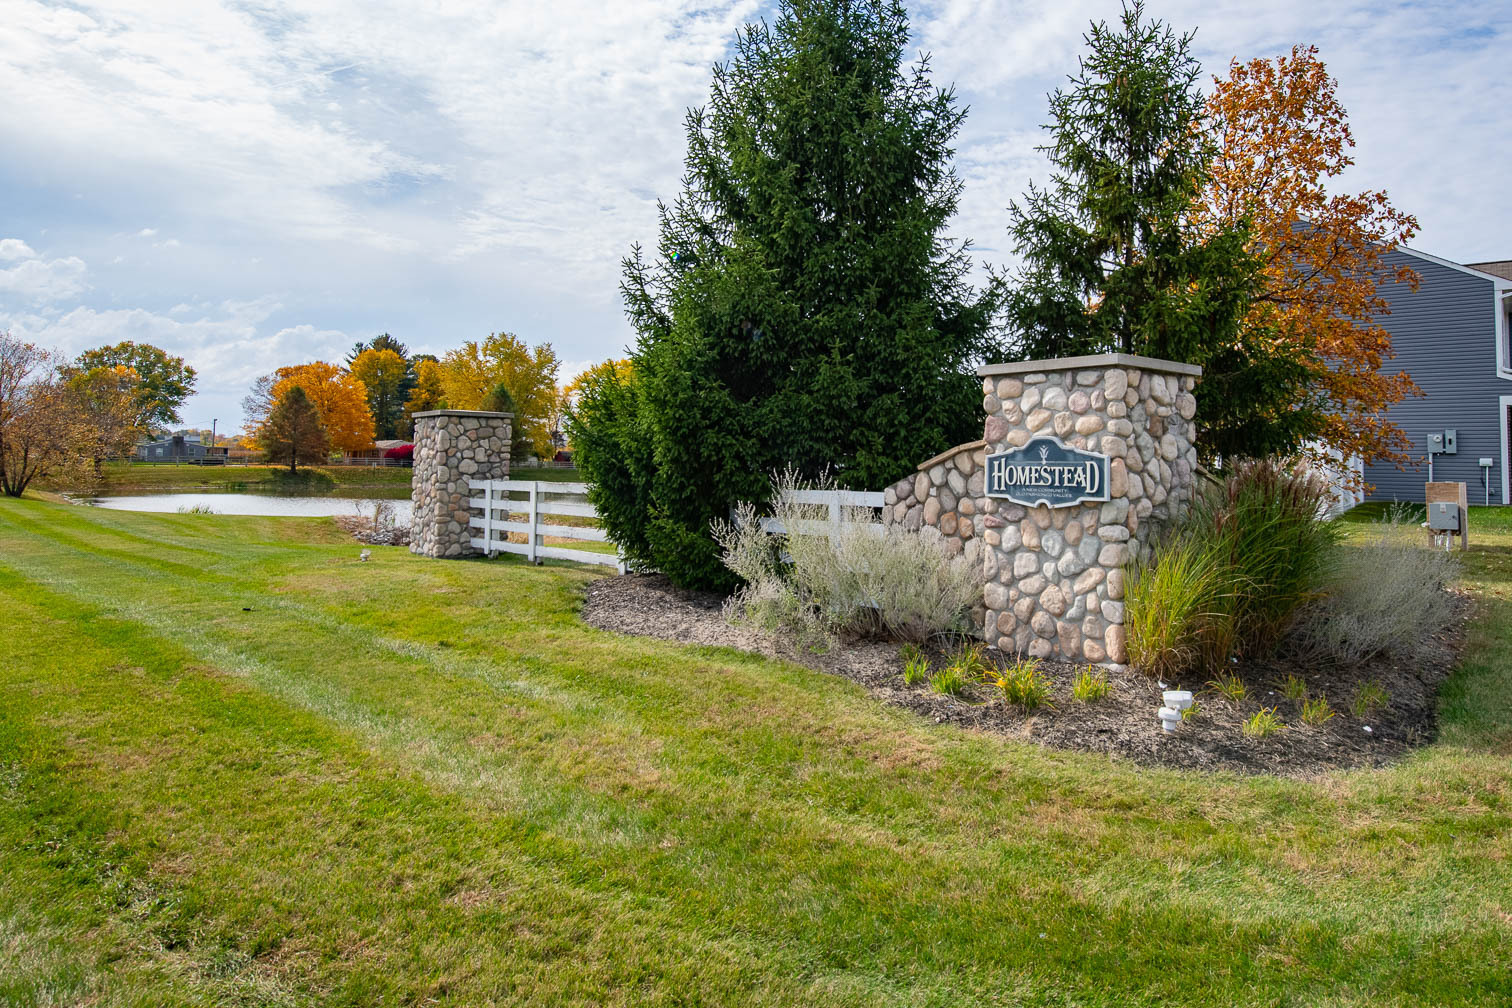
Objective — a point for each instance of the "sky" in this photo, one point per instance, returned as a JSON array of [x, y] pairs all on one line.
[[252, 184]]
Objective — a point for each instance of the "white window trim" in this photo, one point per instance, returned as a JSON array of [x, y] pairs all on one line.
[[1503, 404], [1503, 344]]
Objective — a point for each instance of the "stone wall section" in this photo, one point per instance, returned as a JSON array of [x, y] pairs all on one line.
[[452, 447], [945, 493], [1056, 576]]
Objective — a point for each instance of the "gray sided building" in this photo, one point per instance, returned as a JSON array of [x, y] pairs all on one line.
[[1452, 336]]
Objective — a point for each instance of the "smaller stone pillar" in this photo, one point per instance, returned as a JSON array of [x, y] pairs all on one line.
[[452, 447]]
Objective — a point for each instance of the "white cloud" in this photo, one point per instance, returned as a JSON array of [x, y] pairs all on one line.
[[12, 249], [228, 344], [37, 280], [446, 170]]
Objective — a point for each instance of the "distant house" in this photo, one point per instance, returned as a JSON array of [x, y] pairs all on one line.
[[1452, 336], [180, 448], [378, 454]]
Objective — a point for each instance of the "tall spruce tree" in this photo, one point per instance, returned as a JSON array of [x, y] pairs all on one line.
[[805, 308], [293, 432], [1116, 258]]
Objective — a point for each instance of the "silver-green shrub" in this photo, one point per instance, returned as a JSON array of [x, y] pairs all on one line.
[[852, 576], [1383, 595]]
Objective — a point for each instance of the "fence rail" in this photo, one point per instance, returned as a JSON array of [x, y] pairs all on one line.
[[836, 503], [545, 498], [225, 462]]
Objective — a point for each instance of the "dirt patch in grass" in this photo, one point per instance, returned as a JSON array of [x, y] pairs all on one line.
[[1121, 724]]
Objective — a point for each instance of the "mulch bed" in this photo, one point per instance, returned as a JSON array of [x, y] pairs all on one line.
[[1124, 723]]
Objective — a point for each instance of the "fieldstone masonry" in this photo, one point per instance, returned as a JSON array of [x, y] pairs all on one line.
[[452, 447], [1055, 576]]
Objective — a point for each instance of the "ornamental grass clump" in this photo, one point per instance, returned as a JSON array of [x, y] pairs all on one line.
[[1262, 723], [915, 665], [1229, 580], [1383, 594], [1273, 543], [950, 680], [1228, 686], [1316, 710], [1369, 697], [1171, 601], [846, 576]]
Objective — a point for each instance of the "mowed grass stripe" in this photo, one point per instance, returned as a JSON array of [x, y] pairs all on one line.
[[393, 853], [840, 795]]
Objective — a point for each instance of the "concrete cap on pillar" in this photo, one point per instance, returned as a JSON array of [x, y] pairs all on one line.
[[1085, 363]]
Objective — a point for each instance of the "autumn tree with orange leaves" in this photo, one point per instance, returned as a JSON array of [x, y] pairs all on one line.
[[340, 400], [1282, 136]]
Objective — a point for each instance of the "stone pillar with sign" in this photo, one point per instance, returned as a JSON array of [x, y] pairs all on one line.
[[1084, 458]]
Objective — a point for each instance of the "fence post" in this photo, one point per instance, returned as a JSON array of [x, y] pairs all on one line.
[[488, 518], [534, 518], [834, 518]]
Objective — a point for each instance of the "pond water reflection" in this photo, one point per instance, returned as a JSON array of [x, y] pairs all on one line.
[[308, 506]]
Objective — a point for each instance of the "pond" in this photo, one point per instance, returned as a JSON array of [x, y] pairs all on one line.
[[307, 505]]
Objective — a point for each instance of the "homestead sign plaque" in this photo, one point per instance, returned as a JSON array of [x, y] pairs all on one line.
[[1046, 471]]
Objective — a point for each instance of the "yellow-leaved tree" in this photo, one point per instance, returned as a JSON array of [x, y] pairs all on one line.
[[621, 369], [471, 372], [427, 393], [1282, 135], [385, 376], [339, 399]]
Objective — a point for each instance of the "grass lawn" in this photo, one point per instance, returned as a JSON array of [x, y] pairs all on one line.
[[237, 766], [126, 477]]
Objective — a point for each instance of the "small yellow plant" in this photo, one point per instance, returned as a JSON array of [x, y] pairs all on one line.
[[1091, 684], [1263, 723], [949, 680], [1316, 710], [970, 660], [915, 670], [1369, 697], [1228, 686], [1293, 688], [1021, 683]]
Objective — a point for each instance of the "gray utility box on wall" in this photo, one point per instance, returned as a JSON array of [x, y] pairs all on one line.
[[1443, 516], [1451, 439]]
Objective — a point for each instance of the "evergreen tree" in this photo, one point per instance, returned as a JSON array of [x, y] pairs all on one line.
[[389, 381], [293, 432], [804, 307], [387, 398], [1116, 258]]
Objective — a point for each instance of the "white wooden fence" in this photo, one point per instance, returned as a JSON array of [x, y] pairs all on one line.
[[835, 502], [546, 498], [542, 498]]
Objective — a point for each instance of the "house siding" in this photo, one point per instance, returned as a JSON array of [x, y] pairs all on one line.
[[1444, 335]]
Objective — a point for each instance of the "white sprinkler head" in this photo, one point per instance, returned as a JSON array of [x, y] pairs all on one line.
[[1180, 700]]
